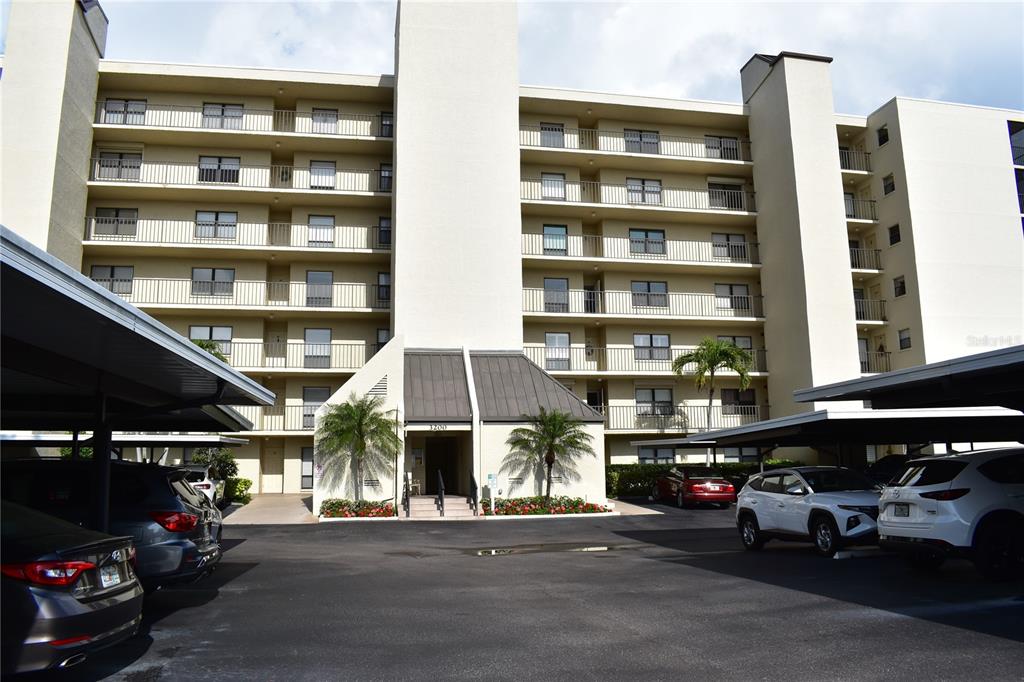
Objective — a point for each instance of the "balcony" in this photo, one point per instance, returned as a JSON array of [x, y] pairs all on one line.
[[630, 249], [187, 293], [866, 259], [861, 209], [868, 310], [678, 418], [874, 361], [623, 360], [851, 160], [280, 417], [580, 302], [187, 232], [297, 355]]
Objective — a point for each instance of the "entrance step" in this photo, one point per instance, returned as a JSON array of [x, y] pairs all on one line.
[[425, 507]]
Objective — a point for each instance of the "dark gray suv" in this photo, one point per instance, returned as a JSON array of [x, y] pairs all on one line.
[[174, 529]]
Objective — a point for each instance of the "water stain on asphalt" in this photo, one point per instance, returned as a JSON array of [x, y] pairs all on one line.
[[543, 548]]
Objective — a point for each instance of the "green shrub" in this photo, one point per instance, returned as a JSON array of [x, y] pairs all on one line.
[[527, 506], [84, 452], [237, 490], [222, 463], [638, 480], [339, 508]]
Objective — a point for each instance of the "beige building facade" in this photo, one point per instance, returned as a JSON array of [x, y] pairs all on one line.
[[302, 220]]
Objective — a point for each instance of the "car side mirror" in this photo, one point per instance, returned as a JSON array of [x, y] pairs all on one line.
[[796, 489]]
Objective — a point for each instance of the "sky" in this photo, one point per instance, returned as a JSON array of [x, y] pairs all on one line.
[[968, 52]]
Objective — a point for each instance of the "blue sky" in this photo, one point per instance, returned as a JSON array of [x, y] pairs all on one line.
[[962, 52]]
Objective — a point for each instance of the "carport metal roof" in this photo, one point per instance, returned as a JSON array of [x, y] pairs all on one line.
[[117, 440]]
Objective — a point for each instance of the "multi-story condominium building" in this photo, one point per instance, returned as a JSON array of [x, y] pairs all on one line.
[[301, 220]]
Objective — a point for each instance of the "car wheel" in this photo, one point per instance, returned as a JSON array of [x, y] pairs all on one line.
[[998, 550], [923, 562], [655, 496], [750, 533], [825, 536], [680, 502]]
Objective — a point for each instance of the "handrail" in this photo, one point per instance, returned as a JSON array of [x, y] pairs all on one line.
[[406, 505], [635, 195], [691, 416], [682, 304], [329, 295], [630, 359], [867, 259], [473, 498], [854, 160], [440, 492], [639, 249], [709, 147], [861, 209]]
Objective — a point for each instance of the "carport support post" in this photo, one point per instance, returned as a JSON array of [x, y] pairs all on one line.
[[101, 468]]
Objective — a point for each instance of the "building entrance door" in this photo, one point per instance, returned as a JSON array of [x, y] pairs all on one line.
[[272, 471], [441, 454]]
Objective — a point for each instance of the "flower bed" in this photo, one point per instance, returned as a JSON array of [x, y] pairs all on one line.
[[526, 506], [350, 509]]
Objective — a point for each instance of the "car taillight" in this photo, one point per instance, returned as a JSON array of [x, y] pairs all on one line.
[[47, 572], [946, 495], [696, 486], [176, 522]]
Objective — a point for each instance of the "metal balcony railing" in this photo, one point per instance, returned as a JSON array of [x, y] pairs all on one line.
[[640, 304], [866, 259], [861, 209], [661, 250], [274, 235], [166, 291], [853, 160], [610, 194], [668, 417], [280, 417], [234, 117], [233, 174], [869, 310], [874, 361], [641, 359], [297, 355], [590, 139]]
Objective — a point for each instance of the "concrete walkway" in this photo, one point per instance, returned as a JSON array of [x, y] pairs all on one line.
[[273, 509]]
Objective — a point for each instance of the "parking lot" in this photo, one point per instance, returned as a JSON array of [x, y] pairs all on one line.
[[613, 598]]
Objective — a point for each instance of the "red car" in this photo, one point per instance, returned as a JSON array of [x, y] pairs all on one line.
[[692, 485]]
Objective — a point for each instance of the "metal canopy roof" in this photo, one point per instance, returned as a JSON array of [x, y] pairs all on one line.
[[117, 440], [65, 339], [509, 385], [436, 389], [865, 427], [993, 378]]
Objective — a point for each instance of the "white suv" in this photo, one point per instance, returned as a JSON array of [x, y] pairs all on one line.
[[969, 505], [830, 506]]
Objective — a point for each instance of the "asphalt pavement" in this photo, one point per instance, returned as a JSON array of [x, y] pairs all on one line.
[[632, 597]]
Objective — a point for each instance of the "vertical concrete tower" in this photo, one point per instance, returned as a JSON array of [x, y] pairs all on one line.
[[810, 321], [49, 95], [457, 265]]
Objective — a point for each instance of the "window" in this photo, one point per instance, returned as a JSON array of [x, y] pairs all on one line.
[[894, 235], [386, 178], [899, 286], [656, 455], [219, 168], [850, 202], [213, 281], [556, 240], [387, 124], [888, 184], [119, 222], [732, 297], [552, 135], [321, 231], [735, 401], [383, 286], [124, 111], [716, 147], [744, 342], [325, 121], [772, 484], [1006, 470], [883, 135], [739, 454], [225, 116], [319, 285], [904, 335], [317, 348], [643, 191], [552, 186], [312, 398], [216, 224], [651, 347], [220, 334], [650, 294], [725, 195], [556, 295], [306, 482], [654, 401], [384, 231], [383, 336], [647, 241], [322, 174], [731, 247], [115, 278], [642, 141], [119, 166], [556, 351]]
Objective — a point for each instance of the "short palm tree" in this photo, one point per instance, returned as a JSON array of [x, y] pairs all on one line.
[[211, 347], [553, 439], [357, 434]]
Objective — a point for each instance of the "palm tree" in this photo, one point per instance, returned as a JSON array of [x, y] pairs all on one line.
[[360, 435], [711, 356], [211, 347], [553, 439]]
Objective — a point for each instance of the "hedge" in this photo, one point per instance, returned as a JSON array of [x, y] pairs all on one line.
[[637, 480], [339, 508], [526, 506]]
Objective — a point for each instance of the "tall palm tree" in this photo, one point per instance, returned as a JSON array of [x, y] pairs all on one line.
[[712, 356], [360, 435], [553, 439]]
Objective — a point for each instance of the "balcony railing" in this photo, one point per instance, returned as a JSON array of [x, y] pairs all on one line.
[[336, 296], [640, 304], [684, 418], [198, 174], [297, 355], [662, 250], [610, 194], [869, 310], [624, 359], [861, 209], [198, 233], [245, 119], [874, 361], [590, 139], [853, 160], [866, 259], [280, 417]]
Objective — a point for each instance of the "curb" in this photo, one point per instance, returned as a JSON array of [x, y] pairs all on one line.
[[332, 519], [549, 516]]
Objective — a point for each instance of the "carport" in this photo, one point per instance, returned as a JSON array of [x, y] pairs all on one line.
[[76, 357]]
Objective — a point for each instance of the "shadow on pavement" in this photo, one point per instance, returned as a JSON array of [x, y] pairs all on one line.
[[308, 501]]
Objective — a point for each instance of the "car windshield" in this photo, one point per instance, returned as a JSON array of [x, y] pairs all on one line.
[[703, 472], [835, 480]]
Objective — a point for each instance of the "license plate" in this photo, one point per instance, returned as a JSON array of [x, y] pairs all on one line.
[[715, 487], [901, 510], [109, 576]]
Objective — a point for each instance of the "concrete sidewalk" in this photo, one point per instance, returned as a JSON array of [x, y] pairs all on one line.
[[274, 510]]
